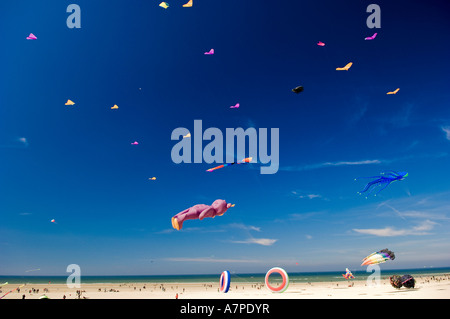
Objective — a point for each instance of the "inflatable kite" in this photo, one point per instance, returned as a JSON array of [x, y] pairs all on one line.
[[384, 180], [378, 257], [394, 92], [372, 37], [11, 291], [345, 68], [406, 281], [245, 160], [284, 277], [348, 274], [225, 281], [298, 89], [200, 211]]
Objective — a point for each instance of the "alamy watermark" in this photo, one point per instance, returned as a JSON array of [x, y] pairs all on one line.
[[373, 20], [213, 152], [373, 279], [74, 19], [74, 279]]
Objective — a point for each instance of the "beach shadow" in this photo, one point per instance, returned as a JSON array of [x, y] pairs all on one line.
[[403, 290]]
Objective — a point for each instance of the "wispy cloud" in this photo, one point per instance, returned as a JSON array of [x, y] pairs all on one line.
[[244, 227], [309, 167], [329, 164], [446, 130], [419, 230], [302, 216], [259, 241], [20, 142], [211, 260], [309, 196]]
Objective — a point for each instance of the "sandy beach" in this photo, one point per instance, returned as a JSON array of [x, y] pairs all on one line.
[[427, 287]]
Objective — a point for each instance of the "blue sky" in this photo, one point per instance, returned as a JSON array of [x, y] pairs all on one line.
[[76, 165]]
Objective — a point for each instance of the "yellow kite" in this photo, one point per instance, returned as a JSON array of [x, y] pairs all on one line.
[[115, 107], [165, 5], [69, 102], [393, 92], [188, 5], [345, 68]]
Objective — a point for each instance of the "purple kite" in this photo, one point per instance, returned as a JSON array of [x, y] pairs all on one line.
[[372, 37], [200, 211], [31, 37]]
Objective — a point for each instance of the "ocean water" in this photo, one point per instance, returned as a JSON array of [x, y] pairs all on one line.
[[304, 277]]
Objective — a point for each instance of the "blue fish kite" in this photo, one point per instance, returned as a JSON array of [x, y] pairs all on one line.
[[383, 181]]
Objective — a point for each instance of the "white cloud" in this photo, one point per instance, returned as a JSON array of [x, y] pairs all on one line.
[[244, 227], [330, 164], [310, 196], [23, 140], [211, 260], [446, 130], [421, 229], [259, 241]]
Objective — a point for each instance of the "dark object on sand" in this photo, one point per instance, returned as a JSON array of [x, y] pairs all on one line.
[[408, 281], [396, 281]]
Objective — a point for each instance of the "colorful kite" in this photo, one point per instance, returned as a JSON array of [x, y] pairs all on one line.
[[224, 281], [345, 68], [320, 43], [245, 160], [115, 107], [12, 291], [188, 5], [234, 106], [200, 211], [69, 102], [31, 37], [384, 180], [372, 37], [164, 5], [394, 92], [298, 89], [210, 52], [52, 221], [348, 274], [152, 178], [37, 269], [378, 257]]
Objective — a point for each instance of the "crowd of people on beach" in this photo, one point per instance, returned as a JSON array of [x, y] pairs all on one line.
[[176, 290]]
